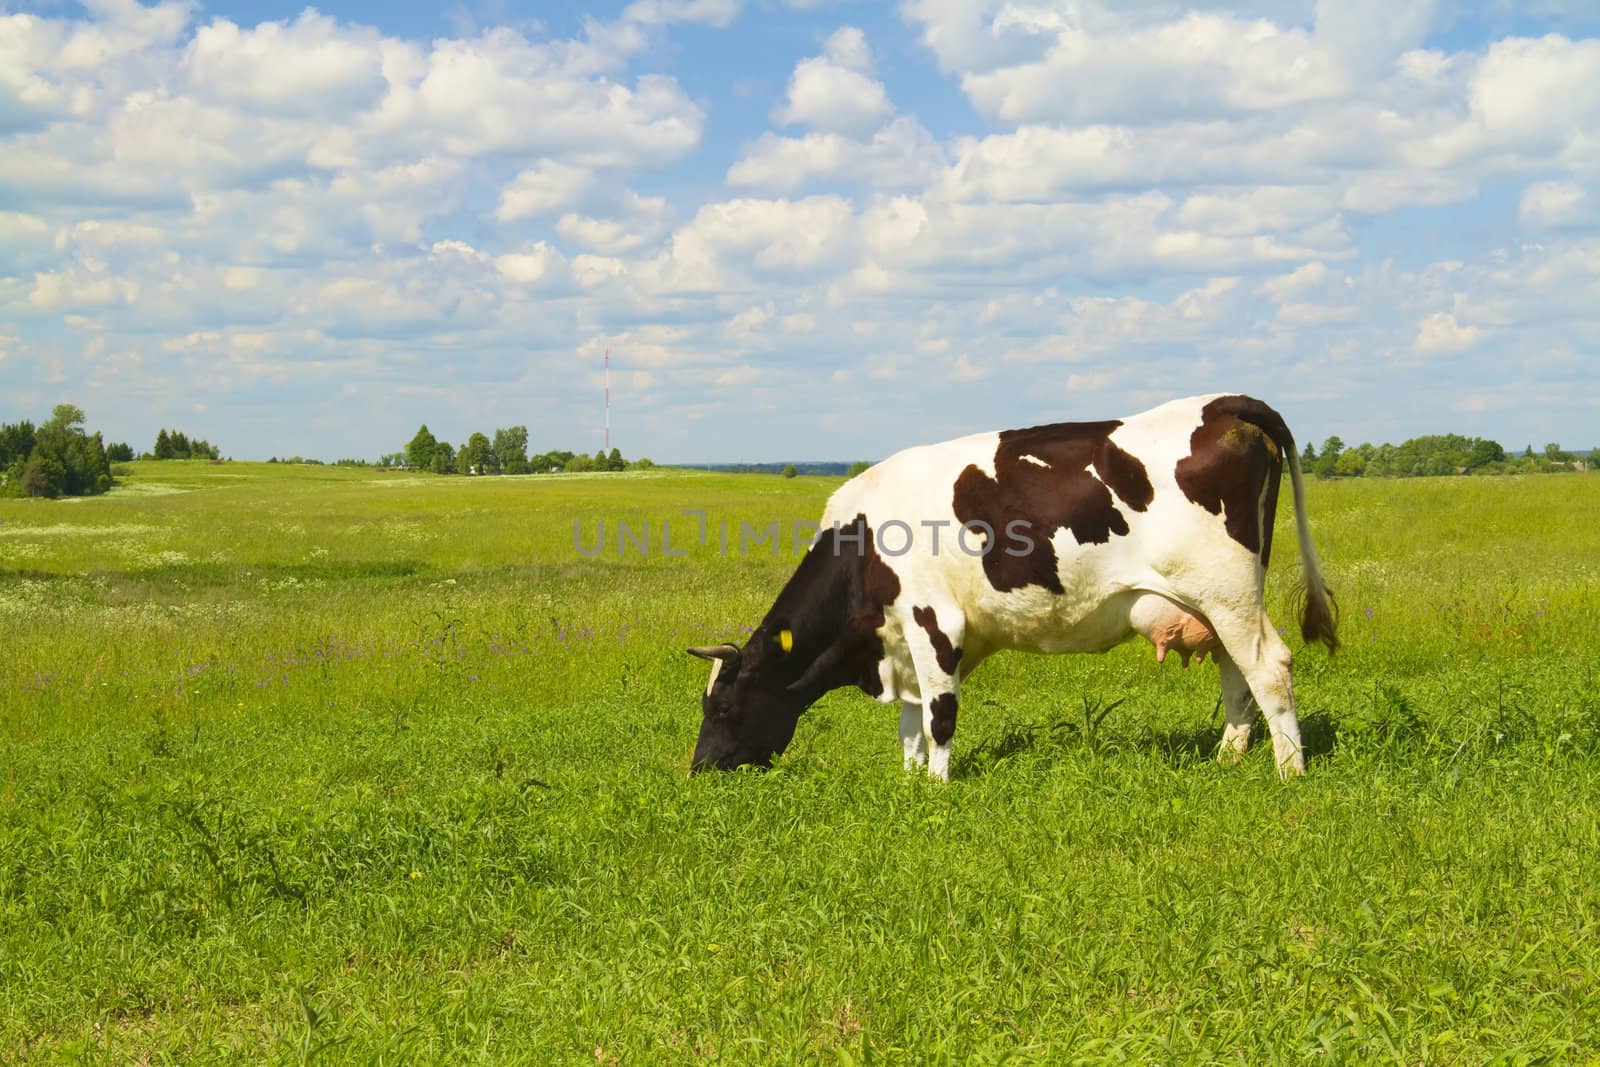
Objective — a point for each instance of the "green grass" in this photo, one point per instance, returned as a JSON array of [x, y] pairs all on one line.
[[311, 763]]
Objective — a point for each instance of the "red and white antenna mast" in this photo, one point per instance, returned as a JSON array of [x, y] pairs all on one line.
[[608, 401]]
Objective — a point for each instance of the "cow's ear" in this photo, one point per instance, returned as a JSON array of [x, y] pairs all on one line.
[[726, 653]]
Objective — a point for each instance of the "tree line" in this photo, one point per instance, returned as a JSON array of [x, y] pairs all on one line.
[[1438, 454], [56, 459], [505, 453], [176, 445]]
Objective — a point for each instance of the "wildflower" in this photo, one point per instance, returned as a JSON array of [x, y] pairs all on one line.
[[416, 874]]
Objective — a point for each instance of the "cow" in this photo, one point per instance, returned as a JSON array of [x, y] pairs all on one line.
[[1070, 537]]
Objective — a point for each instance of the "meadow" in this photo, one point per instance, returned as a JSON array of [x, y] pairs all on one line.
[[318, 764]]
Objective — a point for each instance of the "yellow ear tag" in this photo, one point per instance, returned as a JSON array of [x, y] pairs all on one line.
[[786, 640]]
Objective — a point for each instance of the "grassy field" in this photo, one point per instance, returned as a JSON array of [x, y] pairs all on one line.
[[302, 763]]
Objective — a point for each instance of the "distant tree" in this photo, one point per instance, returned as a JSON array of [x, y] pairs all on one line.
[[40, 477], [1383, 462], [1554, 453], [477, 456], [163, 449], [55, 459], [643, 463], [858, 467], [579, 464], [444, 458], [1351, 464], [545, 462], [599, 459], [419, 450], [16, 445], [1484, 452], [1308, 458], [1328, 463], [392, 459], [789, 471], [119, 453], [615, 462], [511, 449]]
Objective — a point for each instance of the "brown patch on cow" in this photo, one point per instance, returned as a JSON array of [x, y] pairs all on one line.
[[880, 587], [873, 587], [1126, 476], [1234, 465], [1042, 479], [942, 709], [948, 656]]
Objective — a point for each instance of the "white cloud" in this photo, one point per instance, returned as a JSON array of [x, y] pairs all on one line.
[[1441, 334], [540, 190], [1197, 65], [835, 92], [1304, 279], [1558, 205], [641, 221], [900, 154], [659, 12], [79, 290], [539, 264], [1367, 35], [474, 97], [307, 66], [23, 238], [1536, 94], [728, 242]]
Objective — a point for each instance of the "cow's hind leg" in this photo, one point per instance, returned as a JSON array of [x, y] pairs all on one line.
[[1240, 712], [913, 740], [1263, 660]]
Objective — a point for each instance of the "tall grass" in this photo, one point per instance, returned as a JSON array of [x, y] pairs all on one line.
[[305, 763]]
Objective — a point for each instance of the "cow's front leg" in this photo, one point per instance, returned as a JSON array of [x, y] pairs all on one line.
[[939, 719], [936, 651], [913, 740]]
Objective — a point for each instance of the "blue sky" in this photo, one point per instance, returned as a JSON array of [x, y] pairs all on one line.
[[803, 228]]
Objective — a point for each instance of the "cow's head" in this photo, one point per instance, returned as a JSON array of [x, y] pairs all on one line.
[[822, 633], [751, 705]]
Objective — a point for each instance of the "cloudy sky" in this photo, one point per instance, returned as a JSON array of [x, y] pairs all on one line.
[[804, 228]]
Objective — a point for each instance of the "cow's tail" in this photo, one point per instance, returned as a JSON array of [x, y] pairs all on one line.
[[1319, 613]]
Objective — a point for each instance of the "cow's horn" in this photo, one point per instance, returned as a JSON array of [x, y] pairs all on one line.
[[726, 653]]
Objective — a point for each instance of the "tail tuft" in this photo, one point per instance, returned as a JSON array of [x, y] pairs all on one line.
[[1319, 614]]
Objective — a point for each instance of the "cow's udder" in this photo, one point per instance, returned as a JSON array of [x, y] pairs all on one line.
[[1172, 627]]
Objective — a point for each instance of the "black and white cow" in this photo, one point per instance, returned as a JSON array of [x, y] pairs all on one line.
[[1064, 538]]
